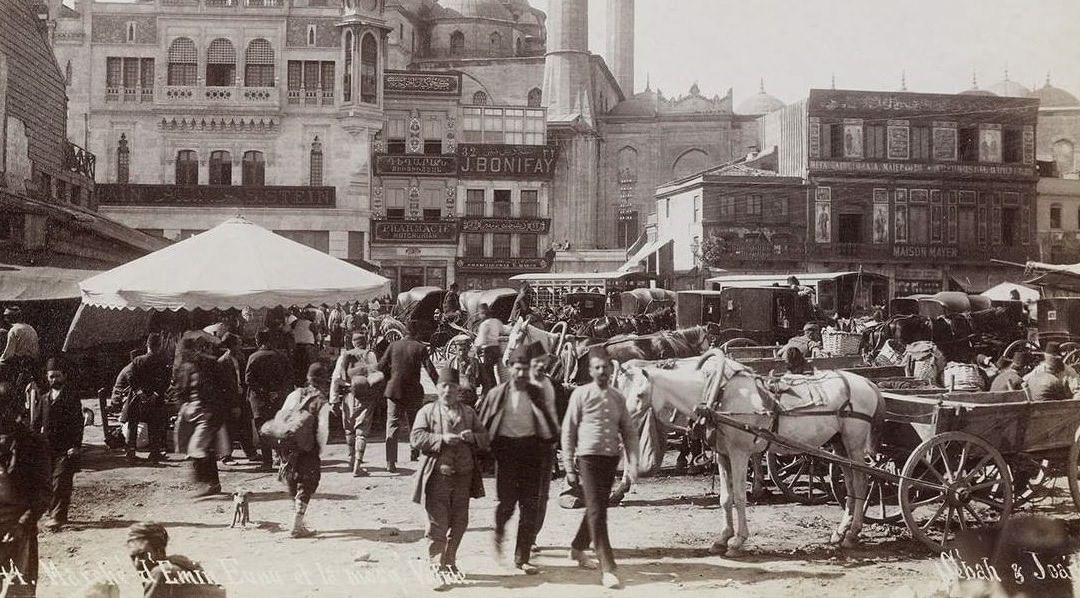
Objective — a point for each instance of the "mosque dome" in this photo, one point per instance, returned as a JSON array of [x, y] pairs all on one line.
[[483, 9], [642, 104], [760, 103], [1009, 89], [1054, 97], [975, 91]]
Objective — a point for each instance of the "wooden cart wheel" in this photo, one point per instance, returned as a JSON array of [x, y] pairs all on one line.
[[952, 482], [1074, 469], [737, 342], [1072, 358], [1013, 346], [800, 478], [883, 496]]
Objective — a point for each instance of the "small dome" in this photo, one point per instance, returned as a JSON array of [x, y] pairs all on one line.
[[485, 9], [761, 103], [1009, 89], [643, 104], [975, 91], [1054, 97]]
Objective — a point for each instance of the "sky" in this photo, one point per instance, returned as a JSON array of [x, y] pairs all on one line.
[[795, 45]]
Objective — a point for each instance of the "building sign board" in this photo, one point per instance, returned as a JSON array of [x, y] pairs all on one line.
[[505, 225], [503, 264], [407, 231], [922, 168], [824, 102], [925, 251], [124, 194], [500, 161], [402, 83], [415, 165]]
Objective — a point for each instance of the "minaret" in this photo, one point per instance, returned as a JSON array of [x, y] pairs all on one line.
[[620, 43], [568, 97]]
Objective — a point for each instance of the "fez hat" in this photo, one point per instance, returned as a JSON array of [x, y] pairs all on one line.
[[520, 355], [1051, 348], [448, 376], [56, 363], [317, 371], [599, 353]]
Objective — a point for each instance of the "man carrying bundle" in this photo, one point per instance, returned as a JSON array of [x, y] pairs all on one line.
[[352, 391]]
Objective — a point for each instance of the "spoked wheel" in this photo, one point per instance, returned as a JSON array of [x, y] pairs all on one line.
[[1074, 469], [882, 503], [953, 482], [800, 478]]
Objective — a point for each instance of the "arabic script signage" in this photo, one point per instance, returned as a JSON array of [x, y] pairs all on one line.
[[825, 102], [415, 165], [503, 264], [505, 225], [403, 83], [919, 168], [499, 161], [124, 194], [404, 231]]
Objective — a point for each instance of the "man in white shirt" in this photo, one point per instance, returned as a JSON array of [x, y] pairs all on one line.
[[487, 346]]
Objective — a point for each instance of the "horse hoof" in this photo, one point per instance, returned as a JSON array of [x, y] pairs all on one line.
[[836, 538], [849, 543], [733, 552], [718, 548]]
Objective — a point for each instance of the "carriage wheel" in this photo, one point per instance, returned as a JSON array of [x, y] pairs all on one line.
[[1013, 346], [882, 503], [1072, 358], [737, 342], [976, 489], [1074, 469], [800, 478]]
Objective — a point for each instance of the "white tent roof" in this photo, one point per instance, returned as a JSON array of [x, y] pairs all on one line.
[[1002, 291], [40, 283], [235, 264]]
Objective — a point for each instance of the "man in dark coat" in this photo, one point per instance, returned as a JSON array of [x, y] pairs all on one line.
[[401, 365], [267, 377], [521, 429], [199, 384], [238, 421], [25, 494], [149, 383], [61, 421]]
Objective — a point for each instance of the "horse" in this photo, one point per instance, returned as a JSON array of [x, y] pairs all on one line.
[[853, 409]]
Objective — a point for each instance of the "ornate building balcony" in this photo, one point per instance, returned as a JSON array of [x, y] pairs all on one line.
[[79, 160], [213, 96], [129, 94], [225, 196], [311, 97]]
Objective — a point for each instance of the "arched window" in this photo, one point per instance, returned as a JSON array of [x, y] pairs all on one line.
[[220, 168], [123, 159], [346, 76], [369, 70], [1064, 156], [183, 62], [316, 163], [457, 43], [254, 169], [496, 43], [480, 98], [220, 64], [689, 162], [187, 167], [1055, 216], [259, 64], [535, 97]]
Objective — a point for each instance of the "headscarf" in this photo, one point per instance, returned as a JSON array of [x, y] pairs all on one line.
[[22, 341]]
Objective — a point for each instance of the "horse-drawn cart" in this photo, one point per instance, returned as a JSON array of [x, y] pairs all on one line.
[[761, 315]]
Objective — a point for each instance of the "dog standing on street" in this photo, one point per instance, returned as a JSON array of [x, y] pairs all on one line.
[[241, 515]]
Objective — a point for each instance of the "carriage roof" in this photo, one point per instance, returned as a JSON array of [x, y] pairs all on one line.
[[500, 301], [419, 303], [589, 305], [636, 301]]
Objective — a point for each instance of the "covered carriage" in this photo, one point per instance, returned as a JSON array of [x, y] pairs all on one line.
[[587, 305], [835, 293], [644, 301], [761, 315], [500, 302]]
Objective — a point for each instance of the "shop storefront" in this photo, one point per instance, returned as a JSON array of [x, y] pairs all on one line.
[[415, 253]]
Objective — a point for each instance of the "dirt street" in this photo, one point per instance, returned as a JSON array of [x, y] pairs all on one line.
[[371, 539]]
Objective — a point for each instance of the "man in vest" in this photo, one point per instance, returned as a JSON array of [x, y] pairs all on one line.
[[352, 393], [521, 429]]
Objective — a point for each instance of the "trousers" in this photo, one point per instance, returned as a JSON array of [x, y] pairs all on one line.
[[240, 428], [517, 487], [151, 411], [489, 360], [63, 481], [596, 474], [303, 474], [547, 464], [398, 415], [447, 504]]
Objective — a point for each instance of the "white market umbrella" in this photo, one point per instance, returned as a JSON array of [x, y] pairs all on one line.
[[233, 265]]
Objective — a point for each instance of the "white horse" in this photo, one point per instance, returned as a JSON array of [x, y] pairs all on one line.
[[852, 409]]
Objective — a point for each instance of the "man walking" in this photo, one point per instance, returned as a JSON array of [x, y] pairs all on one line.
[[451, 305], [596, 420], [519, 425], [487, 347], [538, 363], [467, 368], [60, 420], [449, 434], [352, 390], [401, 365], [302, 463], [25, 494], [238, 422], [267, 377], [198, 381], [149, 383]]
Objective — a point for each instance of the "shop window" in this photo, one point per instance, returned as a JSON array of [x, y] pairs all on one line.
[[254, 174], [1055, 216], [474, 244], [530, 204], [967, 230], [875, 141], [528, 245], [432, 214], [920, 143], [518, 126], [850, 228], [187, 168], [220, 64], [474, 203], [968, 143], [919, 224], [369, 70], [502, 204], [433, 147], [500, 245], [395, 213]]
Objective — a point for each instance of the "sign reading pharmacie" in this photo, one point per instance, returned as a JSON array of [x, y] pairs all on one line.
[[505, 225], [503, 264], [405, 231], [498, 161]]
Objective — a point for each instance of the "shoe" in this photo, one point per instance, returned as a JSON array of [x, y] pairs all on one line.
[[583, 562], [391, 468], [360, 472], [207, 491], [131, 457], [155, 457], [528, 568], [610, 580], [302, 532]]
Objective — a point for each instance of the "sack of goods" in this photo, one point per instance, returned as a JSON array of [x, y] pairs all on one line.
[[293, 430]]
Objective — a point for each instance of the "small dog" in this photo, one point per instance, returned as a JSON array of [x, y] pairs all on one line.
[[241, 514]]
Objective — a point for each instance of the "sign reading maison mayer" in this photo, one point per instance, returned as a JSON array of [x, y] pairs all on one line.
[[925, 251], [498, 161], [397, 231]]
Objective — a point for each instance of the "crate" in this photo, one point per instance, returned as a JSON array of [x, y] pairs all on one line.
[[835, 342]]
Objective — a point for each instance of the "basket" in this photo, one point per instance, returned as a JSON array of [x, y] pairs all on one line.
[[835, 342], [888, 355]]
